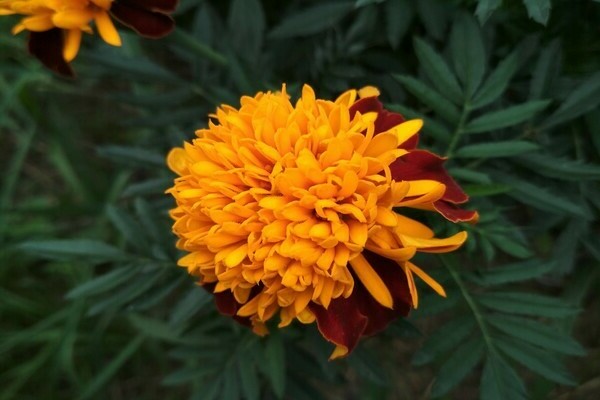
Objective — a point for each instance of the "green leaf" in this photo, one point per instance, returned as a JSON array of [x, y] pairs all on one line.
[[132, 156], [484, 190], [247, 24], [514, 272], [468, 52], [500, 381], [560, 168], [153, 328], [537, 334], [438, 71], [526, 304], [430, 98], [498, 81], [434, 16], [457, 367], [275, 363], [507, 117], [311, 20], [538, 10], [130, 229], [507, 148], [102, 283], [249, 379], [73, 249], [509, 245], [540, 198], [398, 14], [485, 9], [470, 175], [538, 361], [546, 71], [444, 339], [103, 377], [582, 99]]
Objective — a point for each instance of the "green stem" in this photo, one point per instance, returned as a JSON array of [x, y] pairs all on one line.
[[459, 129], [195, 46], [487, 337]]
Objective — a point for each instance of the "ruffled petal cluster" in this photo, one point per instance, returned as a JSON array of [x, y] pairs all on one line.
[[294, 212], [57, 26]]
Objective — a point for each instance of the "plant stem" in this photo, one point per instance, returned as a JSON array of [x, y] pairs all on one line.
[[459, 129]]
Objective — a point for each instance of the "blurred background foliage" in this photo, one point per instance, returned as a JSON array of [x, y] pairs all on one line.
[[93, 307]]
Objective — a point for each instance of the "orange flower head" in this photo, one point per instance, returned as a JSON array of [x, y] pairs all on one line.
[[292, 211]]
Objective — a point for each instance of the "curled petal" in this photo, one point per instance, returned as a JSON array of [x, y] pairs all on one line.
[[455, 214]]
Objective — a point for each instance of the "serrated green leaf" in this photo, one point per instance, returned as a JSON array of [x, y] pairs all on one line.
[[507, 117], [102, 283], [536, 333], [514, 272], [430, 98], [458, 366], [468, 52], [398, 14], [89, 250], [311, 20], [538, 10], [507, 148], [485, 8], [444, 339], [500, 381], [540, 198], [539, 361], [582, 99], [438, 71], [526, 304]]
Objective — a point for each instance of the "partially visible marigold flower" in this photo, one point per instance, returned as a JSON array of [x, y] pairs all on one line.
[[56, 26], [295, 211]]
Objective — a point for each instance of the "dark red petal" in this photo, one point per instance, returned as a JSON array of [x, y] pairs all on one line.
[[455, 214], [341, 323], [368, 104], [386, 120], [146, 23], [421, 164], [48, 48], [347, 320], [395, 279], [165, 6], [227, 305]]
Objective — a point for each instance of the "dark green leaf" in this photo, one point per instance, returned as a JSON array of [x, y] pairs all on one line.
[[249, 379], [545, 71], [74, 249], [485, 190], [582, 99], [103, 282], [537, 334], [434, 16], [104, 376], [500, 381], [507, 148], [541, 198], [430, 98], [515, 272], [527, 304], [247, 24], [538, 10], [560, 168], [438, 71], [311, 20], [132, 156], [539, 361], [458, 366], [447, 337], [507, 117], [130, 229], [468, 52], [485, 8], [398, 14], [275, 363], [509, 245]]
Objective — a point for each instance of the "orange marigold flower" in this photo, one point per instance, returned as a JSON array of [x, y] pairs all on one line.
[[56, 26], [294, 210]]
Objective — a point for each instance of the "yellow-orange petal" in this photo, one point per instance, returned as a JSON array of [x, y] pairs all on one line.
[[72, 43], [373, 282], [435, 245], [107, 29], [427, 279]]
